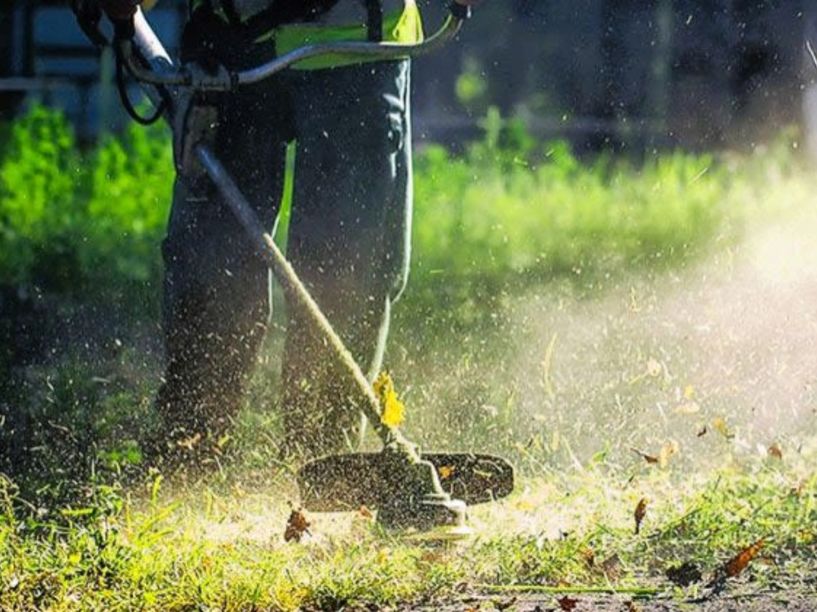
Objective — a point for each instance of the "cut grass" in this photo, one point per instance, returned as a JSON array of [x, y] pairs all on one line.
[[571, 534]]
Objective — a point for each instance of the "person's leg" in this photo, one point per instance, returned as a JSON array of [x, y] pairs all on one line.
[[216, 287], [348, 238]]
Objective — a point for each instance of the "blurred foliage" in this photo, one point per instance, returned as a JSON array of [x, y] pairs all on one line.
[[89, 222], [512, 210], [38, 191], [471, 86], [81, 222]]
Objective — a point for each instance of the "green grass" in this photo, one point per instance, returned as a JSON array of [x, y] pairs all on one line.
[[222, 546]]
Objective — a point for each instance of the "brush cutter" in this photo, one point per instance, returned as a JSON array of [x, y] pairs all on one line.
[[410, 489]]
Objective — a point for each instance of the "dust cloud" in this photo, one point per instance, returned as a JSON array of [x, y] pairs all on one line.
[[716, 360], [731, 341]]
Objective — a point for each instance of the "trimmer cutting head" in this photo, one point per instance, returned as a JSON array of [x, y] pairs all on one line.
[[405, 492]]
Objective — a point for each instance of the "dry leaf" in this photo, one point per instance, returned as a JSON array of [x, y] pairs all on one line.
[[365, 513], [690, 407], [645, 456], [589, 556], [297, 526], [669, 449], [739, 562], [445, 471], [719, 425], [775, 451], [567, 603], [640, 513], [191, 442], [393, 412]]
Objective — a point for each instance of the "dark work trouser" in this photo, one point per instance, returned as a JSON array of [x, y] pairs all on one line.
[[348, 240]]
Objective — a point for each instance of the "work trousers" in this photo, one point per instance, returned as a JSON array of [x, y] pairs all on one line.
[[348, 240]]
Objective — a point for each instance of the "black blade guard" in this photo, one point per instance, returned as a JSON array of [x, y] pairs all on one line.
[[342, 483]]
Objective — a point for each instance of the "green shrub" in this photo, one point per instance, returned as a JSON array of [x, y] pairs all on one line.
[[131, 181], [77, 221], [509, 210], [40, 176]]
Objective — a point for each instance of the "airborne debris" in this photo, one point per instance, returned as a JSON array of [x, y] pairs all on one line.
[[445, 471], [191, 442], [719, 425], [547, 365], [640, 513], [364, 512], [668, 450], [645, 456], [689, 407], [654, 368], [297, 526], [739, 562], [775, 451]]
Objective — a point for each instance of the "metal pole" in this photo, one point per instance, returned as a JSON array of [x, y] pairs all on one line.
[[295, 289]]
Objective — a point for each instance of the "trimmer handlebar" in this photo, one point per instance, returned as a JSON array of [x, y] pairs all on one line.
[[195, 78]]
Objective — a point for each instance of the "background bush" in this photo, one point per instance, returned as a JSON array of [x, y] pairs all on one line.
[[90, 221], [81, 221]]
